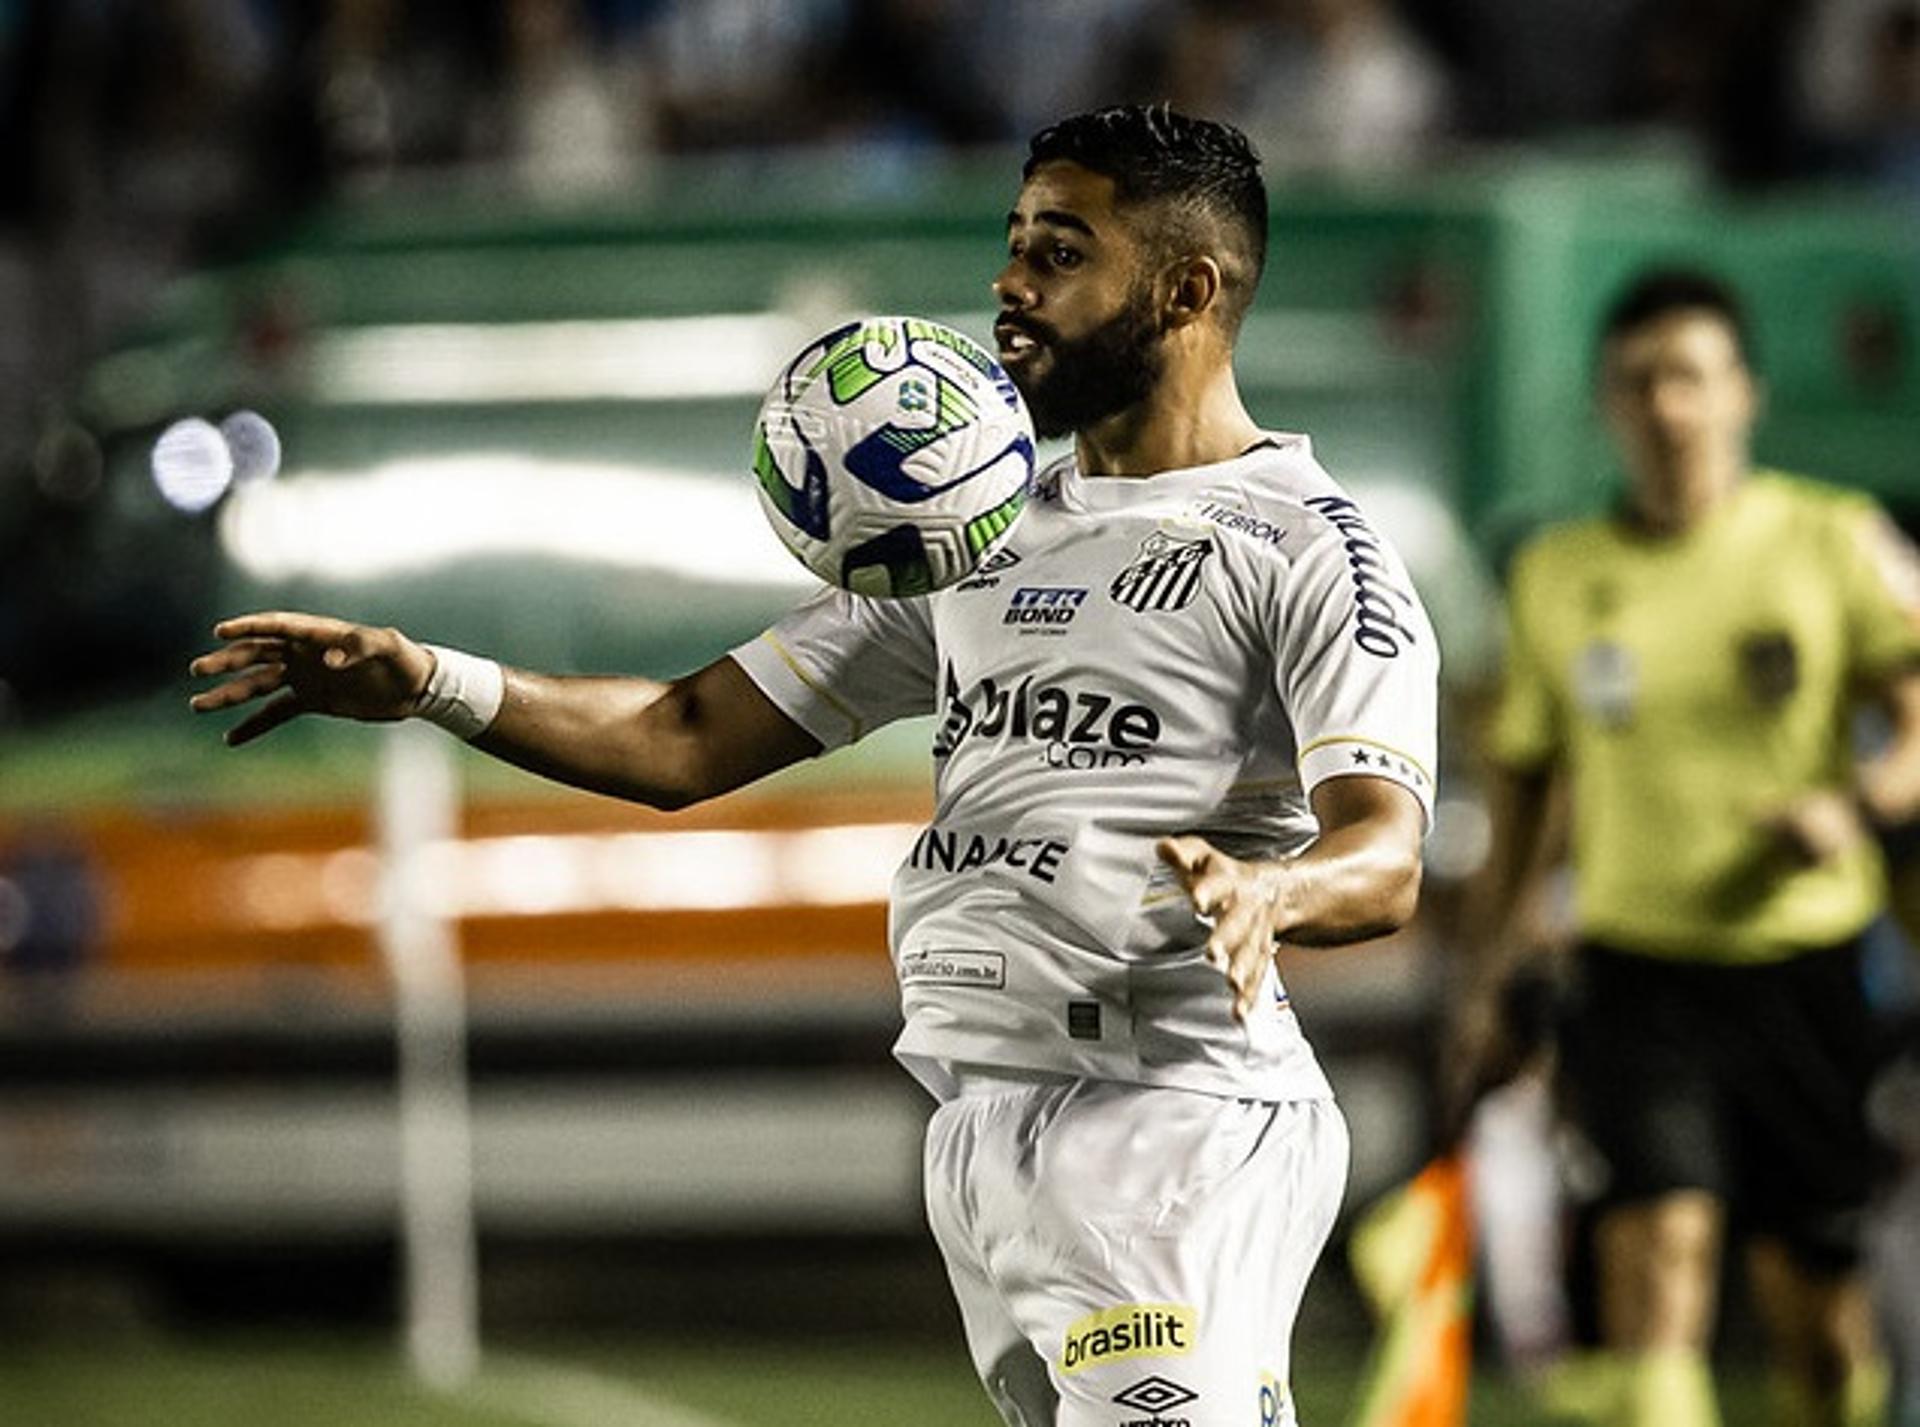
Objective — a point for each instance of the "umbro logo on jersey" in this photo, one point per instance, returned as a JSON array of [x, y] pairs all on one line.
[[1165, 577], [1153, 1396], [987, 575]]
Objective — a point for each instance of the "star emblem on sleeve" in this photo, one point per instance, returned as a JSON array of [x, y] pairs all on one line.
[[1388, 762]]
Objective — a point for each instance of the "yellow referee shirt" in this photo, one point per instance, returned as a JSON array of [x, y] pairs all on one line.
[[1692, 684]]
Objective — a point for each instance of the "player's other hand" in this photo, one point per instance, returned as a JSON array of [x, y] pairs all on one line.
[[305, 663], [1240, 901]]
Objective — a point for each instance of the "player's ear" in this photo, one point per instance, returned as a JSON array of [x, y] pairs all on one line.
[[1192, 290]]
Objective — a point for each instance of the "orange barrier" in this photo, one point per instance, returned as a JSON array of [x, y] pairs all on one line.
[[558, 881]]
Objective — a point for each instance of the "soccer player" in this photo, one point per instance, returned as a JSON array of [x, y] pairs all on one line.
[[1689, 665], [1224, 748]]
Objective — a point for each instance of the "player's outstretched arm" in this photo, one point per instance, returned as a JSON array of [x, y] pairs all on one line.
[[662, 744], [665, 745], [1360, 879]]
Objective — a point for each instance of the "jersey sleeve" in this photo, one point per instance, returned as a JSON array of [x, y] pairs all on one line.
[[1526, 730], [1879, 571], [1357, 665], [841, 665]]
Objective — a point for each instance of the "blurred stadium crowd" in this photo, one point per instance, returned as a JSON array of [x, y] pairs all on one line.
[[156, 134]]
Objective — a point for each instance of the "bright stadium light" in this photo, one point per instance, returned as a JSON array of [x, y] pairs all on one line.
[[602, 359], [410, 515], [701, 357], [705, 870], [476, 364], [545, 874], [191, 464]]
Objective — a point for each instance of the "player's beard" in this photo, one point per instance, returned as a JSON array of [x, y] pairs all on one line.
[[1087, 379]]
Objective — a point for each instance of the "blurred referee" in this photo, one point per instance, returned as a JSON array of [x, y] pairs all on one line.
[[1690, 666]]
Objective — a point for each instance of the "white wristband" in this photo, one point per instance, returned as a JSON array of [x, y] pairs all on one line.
[[464, 692]]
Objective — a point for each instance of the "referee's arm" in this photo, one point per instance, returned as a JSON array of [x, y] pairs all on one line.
[[1496, 941], [1883, 797], [1890, 782]]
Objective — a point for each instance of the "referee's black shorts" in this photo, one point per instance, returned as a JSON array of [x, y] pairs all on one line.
[[1749, 1082]]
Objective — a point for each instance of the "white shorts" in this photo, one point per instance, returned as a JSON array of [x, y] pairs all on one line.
[[1127, 1255]]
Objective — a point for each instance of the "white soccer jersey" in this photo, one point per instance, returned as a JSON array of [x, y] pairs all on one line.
[[1189, 653]]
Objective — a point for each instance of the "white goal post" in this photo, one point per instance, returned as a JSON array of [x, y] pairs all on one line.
[[418, 812]]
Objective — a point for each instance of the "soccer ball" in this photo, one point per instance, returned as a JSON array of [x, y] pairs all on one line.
[[890, 454]]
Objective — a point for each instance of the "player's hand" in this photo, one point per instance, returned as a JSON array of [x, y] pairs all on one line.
[[1240, 901], [1818, 827], [305, 663]]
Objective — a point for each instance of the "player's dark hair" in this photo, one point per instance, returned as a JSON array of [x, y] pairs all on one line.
[[1202, 176], [1655, 294]]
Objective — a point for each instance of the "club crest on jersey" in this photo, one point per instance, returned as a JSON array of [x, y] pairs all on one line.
[[1166, 576]]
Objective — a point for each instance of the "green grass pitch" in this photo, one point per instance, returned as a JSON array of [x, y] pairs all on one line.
[[315, 1382]]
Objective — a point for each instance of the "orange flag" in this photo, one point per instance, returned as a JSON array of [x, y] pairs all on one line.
[[1412, 1253]]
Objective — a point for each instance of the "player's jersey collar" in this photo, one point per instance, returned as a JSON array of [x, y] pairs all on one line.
[[1083, 492]]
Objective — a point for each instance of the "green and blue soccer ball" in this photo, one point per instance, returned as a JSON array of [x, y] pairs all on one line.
[[891, 454]]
